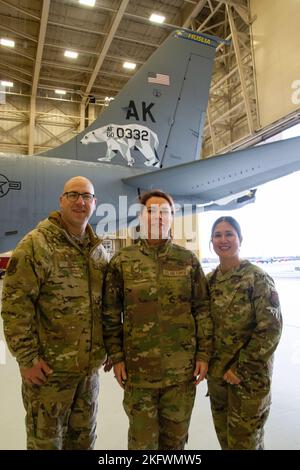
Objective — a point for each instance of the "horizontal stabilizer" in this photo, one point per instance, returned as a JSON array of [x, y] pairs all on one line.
[[212, 179]]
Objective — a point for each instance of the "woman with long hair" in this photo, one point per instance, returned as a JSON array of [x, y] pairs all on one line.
[[247, 328]]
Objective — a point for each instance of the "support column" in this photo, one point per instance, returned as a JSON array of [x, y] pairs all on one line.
[[32, 114], [82, 117]]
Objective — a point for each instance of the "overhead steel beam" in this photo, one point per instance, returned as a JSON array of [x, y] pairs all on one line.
[[90, 52], [10, 5], [76, 28], [240, 69], [137, 41], [36, 73], [8, 74], [240, 7], [21, 53], [77, 84], [78, 68], [19, 33], [15, 68], [105, 47], [190, 13], [210, 27], [40, 47], [144, 19], [200, 28], [101, 33]]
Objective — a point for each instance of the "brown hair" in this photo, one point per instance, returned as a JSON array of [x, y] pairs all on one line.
[[143, 198], [157, 193]]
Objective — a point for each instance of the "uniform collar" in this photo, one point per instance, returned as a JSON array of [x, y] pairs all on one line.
[[155, 250], [56, 223], [235, 272]]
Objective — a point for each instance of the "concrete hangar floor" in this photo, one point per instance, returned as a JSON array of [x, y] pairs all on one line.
[[283, 427]]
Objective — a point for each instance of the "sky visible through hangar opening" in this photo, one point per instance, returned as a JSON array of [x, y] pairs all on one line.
[[271, 225]]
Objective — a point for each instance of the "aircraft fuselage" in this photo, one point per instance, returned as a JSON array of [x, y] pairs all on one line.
[[30, 187]]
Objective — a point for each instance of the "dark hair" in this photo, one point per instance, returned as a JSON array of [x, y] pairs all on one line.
[[231, 221], [157, 193]]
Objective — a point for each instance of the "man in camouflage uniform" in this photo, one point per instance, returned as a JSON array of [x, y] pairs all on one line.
[[51, 312], [157, 331], [247, 328]]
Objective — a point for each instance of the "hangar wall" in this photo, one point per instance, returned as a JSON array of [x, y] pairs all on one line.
[[56, 121], [276, 45]]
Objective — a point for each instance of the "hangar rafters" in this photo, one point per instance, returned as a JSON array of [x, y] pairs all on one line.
[[103, 46]]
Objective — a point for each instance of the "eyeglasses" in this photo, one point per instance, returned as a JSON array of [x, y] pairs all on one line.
[[74, 195]]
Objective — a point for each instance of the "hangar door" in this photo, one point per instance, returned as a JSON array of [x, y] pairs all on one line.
[[276, 45]]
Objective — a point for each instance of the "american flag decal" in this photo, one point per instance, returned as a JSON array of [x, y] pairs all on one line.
[[158, 78]]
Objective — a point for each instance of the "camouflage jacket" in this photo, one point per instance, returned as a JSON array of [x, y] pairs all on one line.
[[155, 314], [52, 296], [247, 322]]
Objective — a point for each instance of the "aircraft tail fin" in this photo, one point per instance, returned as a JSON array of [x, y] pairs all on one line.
[[165, 99]]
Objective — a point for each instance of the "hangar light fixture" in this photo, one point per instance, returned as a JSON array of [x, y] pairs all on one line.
[[89, 3], [71, 54], [60, 92], [129, 65], [157, 18], [7, 42], [6, 84]]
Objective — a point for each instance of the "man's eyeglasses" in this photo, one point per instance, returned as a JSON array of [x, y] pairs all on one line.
[[74, 195]]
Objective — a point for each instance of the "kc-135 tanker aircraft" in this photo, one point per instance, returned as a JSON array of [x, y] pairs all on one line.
[[149, 137]]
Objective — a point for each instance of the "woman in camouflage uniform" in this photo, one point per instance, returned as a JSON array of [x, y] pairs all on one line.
[[157, 329], [247, 328]]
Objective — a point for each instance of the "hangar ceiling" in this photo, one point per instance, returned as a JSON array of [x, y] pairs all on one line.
[[34, 117]]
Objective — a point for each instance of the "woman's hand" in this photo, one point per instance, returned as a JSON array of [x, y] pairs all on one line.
[[120, 373], [231, 378], [200, 371]]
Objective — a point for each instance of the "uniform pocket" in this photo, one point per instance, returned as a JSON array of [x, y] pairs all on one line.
[[177, 401]]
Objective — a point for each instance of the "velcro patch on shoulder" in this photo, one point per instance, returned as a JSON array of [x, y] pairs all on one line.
[[12, 266], [274, 299]]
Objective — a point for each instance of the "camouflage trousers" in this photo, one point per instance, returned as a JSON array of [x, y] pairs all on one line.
[[239, 414], [159, 418], [61, 414]]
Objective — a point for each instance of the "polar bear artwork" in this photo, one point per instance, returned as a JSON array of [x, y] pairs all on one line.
[[123, 138]]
